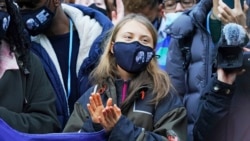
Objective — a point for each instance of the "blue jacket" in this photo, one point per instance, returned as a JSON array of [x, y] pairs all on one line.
[[191, 82], [91, 27]]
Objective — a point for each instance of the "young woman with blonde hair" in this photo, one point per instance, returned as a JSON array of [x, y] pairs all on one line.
[[140, 103]]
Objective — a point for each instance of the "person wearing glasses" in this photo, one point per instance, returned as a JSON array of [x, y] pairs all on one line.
[[172, 9], [173, 6]]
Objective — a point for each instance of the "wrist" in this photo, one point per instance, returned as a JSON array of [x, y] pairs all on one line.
[[222, 88], [214, 16]]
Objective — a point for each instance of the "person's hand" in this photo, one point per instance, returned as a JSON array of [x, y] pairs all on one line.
[[117, 15], [95, 107], [115, 12], [226, 77], [229, 77], [228, 15], [111, 114], [110, 6]]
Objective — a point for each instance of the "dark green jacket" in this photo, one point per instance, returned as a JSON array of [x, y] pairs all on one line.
[[27, 102], [143, 121]]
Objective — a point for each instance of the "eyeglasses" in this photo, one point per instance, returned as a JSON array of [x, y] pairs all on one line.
[[171, 4]]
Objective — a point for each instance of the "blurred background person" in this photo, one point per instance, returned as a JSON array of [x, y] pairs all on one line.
[[223, 113], [172, 9], [68, 40], [27, 99], [191, 51]]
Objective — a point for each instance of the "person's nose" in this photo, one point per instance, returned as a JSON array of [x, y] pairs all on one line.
[[179, 7]]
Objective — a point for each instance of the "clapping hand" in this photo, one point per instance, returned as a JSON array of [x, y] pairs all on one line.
[[95, 107], [111, 114], [106, 116]]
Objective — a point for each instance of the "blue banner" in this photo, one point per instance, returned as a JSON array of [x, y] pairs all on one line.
[[9, 134]]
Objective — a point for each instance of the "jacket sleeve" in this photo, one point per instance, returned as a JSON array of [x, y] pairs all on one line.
[[79, 115], [175, 66], [175, 60], [76, 120], [39, 113], [168, 121], [214, 105]]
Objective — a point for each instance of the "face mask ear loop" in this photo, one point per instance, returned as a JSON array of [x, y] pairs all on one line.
[[157, 56]]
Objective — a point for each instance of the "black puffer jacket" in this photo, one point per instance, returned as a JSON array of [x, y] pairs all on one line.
[[190, 83]]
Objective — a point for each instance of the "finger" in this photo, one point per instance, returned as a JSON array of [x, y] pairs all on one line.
[[112, 115], [91, 111], [94, 99], [119, 6], [117, 110], [120, 10], [223, 5], [104, 124], [222, 19], [224, 14], [92, 103], [113, 15], [225, 9], [108, 116], [246, 49], [106, 119], [237, 4], [98, 99], [220, 71], [109, 102]]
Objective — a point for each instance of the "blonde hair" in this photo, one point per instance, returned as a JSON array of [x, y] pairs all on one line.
[[152, 76]]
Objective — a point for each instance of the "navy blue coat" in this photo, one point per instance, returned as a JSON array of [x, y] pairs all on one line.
[[190, 83]]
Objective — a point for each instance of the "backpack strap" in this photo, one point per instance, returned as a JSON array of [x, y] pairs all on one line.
[[185, 44], [185, 38]]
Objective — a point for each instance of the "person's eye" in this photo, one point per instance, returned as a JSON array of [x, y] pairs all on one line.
[[145, 40], [170, 4], [188, 3], [127, 37]]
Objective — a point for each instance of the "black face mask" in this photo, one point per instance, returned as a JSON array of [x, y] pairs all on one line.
[[4, 23], [37, 21], [132, 57]]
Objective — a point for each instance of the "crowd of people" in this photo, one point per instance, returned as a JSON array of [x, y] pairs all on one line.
[[134, 69]]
